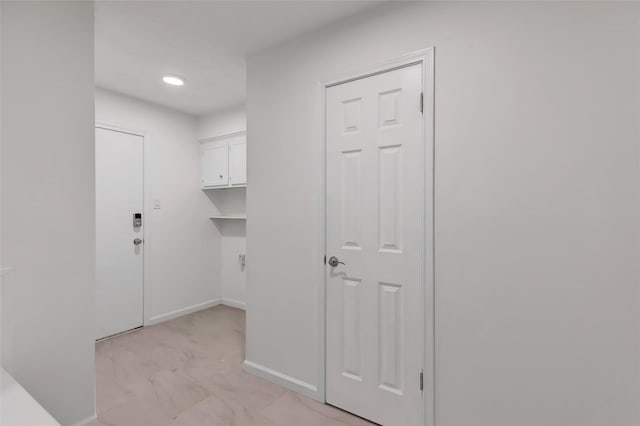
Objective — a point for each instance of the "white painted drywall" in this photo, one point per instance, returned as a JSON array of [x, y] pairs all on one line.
[[536, 204], [184, 248], [234, 243], [223, 122], [48, 230], [229, 202], [234, 276]]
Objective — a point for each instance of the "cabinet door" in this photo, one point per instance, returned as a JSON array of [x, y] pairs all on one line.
[[215, 164], [238, 162]]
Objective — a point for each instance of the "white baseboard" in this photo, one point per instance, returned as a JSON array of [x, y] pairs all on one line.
[[283, 380], [233, 303], [89, 421], [194, 308], [184, 311]]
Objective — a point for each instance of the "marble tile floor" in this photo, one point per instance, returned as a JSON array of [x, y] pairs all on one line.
[[188, 372]]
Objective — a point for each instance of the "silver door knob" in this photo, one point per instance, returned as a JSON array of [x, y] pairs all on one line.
[[334, 261], [137, 241]]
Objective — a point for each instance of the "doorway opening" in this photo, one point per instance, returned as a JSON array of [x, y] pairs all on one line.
[[120, 230]]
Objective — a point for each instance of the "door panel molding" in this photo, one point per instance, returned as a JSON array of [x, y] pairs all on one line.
[[425, 58]]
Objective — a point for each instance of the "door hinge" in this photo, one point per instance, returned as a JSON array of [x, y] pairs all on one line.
[[421, 381], [422, 102]]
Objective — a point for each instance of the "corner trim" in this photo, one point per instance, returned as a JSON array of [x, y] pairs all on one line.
[[183, 311], [283, 380], [89, 421]]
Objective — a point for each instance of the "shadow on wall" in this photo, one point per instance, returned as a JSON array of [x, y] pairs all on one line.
[[6, 313]]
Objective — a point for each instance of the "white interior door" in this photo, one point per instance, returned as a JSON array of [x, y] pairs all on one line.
[[375, 191], [119, 248]]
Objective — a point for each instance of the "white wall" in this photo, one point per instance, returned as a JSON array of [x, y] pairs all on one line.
[[48, 230], [234, 243], [222, 122], [184, 248], [3, 312], [536, 204], [229, 201]]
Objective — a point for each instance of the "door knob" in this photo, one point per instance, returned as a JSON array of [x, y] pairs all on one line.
[[137, 241], [334, 261]]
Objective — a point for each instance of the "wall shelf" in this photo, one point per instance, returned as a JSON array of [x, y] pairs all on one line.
[[223, 187], [229, 217]]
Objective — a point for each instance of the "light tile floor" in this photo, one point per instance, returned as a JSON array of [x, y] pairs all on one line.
[[188, 372]]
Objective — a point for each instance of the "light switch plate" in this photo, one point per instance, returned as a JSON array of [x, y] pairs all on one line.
[[156, 203]]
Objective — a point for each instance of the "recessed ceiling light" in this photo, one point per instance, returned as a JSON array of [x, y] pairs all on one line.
[[173, 80]]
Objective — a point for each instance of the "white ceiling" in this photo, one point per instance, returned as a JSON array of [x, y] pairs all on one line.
[[207, 43]]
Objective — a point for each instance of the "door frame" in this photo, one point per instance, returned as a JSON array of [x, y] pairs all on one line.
[[425, 58], [146, 207]]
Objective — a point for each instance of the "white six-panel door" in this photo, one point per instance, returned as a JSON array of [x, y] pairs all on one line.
[[374, 205], [119, 260]]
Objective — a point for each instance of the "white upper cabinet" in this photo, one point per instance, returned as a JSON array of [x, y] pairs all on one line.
[[224, 161], [215, 166], [238, 162]]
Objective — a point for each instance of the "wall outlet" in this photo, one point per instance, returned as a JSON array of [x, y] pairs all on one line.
[[242, 259]]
